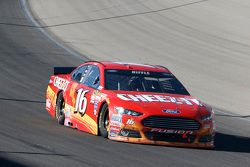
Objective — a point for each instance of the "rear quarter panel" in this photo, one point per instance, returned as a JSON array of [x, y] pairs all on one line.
[[56, 84]]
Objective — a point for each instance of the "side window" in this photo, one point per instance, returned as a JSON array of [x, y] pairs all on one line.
[[92, 78], [79, 74]]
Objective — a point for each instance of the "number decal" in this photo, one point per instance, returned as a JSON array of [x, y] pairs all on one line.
[[81, 101]]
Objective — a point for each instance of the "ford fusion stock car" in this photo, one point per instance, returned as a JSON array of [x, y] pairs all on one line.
[[131, 103]]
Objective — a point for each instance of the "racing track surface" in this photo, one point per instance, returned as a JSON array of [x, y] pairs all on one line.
[[206, 43], [29, 137]]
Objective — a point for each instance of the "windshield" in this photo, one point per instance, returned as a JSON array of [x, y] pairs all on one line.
[[143, 81]]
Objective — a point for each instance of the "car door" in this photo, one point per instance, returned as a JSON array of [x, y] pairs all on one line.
[[84, 115]]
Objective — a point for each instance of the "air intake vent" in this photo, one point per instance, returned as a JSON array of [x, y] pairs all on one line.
[[171, 123]]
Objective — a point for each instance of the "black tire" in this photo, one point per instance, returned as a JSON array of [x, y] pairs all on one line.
[[60, 117], [103, 122]]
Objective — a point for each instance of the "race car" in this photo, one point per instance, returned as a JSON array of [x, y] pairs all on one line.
[[129, 102]]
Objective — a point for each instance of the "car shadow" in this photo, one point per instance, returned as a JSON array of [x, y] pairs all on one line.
[[10, 163], [231, 143]]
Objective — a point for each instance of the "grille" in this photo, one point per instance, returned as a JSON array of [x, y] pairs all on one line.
[[170, 137], [171, 123]]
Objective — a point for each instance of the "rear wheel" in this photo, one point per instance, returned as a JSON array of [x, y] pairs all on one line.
[[104, 121], [60, 104]]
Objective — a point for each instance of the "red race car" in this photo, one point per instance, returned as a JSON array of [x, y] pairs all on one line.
[[131, 103]]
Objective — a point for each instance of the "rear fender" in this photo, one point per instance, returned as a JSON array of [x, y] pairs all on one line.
[[55, 86]]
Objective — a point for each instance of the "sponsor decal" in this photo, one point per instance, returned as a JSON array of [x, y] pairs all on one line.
[[157, 98], [67, 121], [113, 134], [97, 96], [95, 107], [171, 131], [171, 111], [114, 131], [67, 110], [116, 120], [60, 83], [48, 103], [141, 72], [130, 122]]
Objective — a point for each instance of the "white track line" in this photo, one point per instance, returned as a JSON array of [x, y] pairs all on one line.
[[30, 17]]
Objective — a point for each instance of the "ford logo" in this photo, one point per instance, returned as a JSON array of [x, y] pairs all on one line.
[[171, 111]]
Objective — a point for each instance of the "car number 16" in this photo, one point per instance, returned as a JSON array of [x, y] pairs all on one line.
[[81, 101]]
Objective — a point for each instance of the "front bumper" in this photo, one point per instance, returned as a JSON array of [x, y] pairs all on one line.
[[144, 140], [133, 131]]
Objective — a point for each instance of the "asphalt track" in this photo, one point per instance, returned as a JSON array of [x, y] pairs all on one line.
[[204, 42], [29, 137]]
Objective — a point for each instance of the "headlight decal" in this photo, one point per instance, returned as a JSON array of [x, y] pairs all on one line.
[[207, 117], [121, 110]]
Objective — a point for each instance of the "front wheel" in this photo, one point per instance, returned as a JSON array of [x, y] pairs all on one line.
[[60, 104], [104, 121]]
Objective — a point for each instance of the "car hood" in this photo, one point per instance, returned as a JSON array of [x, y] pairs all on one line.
[[160, 104]]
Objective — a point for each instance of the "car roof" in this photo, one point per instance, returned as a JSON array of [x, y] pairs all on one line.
[[130, 66]]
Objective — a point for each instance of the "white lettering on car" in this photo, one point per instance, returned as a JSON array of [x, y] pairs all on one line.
[[171, 131], [150, 98], [162, 98], [137, 98], [157, 98], [141, 72], [130, 122], [196, 101], [123, 97], [60, 83], [81, 102], [186, 101]]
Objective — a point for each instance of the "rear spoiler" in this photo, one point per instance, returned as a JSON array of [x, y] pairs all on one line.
[[63, 70]]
